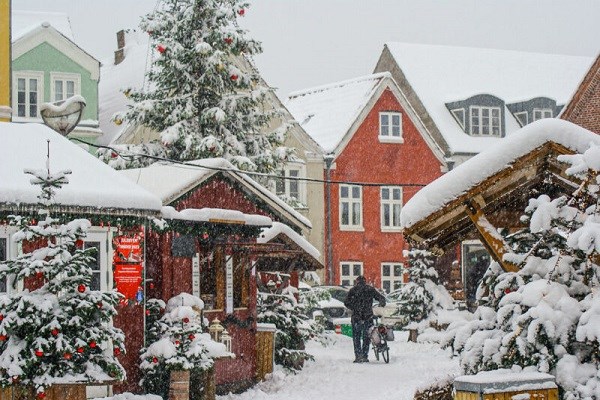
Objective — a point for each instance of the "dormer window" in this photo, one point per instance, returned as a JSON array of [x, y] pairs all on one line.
[[390, 126], [531, 110], [485, 121], [540, 113]]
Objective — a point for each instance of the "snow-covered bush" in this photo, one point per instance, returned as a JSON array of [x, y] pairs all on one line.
[[59, 331], [176, 342], [203, 96]]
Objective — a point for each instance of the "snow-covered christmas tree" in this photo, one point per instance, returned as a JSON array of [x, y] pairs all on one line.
[[421, 295], [60, 331], [543, 316], [204, 96]]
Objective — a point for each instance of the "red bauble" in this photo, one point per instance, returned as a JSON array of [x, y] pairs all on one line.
[[507, 291], [228, 40], [116, 351], [185, 320], [54, 332], [155, 360], [81, 288], [151, 285], [100, 305], [233, 77], [161, 49], [205, 236], [67, 356], [177, 342], [39, 353], [191, 337], [41, 395], [80, 350], [2, 338], [147, 312], [241, 12], [79, 243], [93, 344], [1, 317]]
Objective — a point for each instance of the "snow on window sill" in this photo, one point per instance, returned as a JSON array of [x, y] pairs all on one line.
[[351, 228], [388, 139]]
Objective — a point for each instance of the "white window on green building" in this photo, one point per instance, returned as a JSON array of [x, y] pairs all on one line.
[[28, 92], [64, 86]]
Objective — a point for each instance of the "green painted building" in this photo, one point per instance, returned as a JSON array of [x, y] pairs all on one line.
[[47, 66]]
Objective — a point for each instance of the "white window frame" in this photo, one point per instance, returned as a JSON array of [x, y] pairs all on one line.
[[287, 183], [62, 76], [27, 75], [390, 203], [348, 279], [12, 250], [480, 130], [542, 113], [104, 237], [396, 281], [351, 201], [389, 137]]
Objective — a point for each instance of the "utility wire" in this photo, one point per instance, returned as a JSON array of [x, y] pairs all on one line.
[[238, 171]]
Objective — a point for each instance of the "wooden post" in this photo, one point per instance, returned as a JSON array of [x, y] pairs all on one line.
[[490, 238], [209, 384], [179, 385], [5, 60]]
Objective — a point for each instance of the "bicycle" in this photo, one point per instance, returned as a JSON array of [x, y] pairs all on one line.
[[379, 338]]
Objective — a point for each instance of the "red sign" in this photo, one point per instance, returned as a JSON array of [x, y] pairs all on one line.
[[127, 262]]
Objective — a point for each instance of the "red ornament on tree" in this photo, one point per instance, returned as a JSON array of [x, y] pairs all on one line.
[[39, 275], [67, 356], [81, 288], [147, 312], [41, 395], [507, 291], [191, 337], [161, 49], [205, 236], [177, 342], [39, 353], [93, 344], [80, 350], [233, 77], [241, 12], [155, 360], [185, 320], [79, 243], [116, 351], [228, 40], [1, 317], [54, 332], [100, 305], [2, 338]]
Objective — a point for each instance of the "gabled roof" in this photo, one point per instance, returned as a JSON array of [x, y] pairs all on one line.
[[441, 74], [327, 112], [281, 233], [584, 100], [23, 22], [495, 175], [171, 181], [331, 114], [93, 187]]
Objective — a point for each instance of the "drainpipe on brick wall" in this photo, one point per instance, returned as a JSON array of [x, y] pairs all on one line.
[[328, 158]]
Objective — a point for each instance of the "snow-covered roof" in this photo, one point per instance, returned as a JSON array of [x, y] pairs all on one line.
[[277, 228], [215, 215], [129, 73], [92, 183], [487, 163], [442, 74], [327, 112], [170, 181], [22, 22]]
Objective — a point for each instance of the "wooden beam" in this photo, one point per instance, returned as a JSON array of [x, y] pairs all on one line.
[[489, 235]]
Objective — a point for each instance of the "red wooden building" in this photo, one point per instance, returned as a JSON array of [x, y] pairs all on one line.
[[381, 154]]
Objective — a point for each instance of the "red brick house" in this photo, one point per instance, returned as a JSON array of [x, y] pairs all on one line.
[[215, 215], [381, 155], [584, 107]]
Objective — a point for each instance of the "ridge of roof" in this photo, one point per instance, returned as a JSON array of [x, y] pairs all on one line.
[[329, 86]]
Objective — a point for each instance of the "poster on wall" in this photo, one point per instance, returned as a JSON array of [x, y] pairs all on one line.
[[127, 263], [229, 285]]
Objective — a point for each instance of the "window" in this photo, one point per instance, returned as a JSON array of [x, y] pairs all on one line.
[[349, 271], [291, 188], [350, 207], [540, 113], [522, 118], [28, 93], [485, 121], [391, 205], [390, 126], [64, 86], [99, 266], [459, 116], [392, 276]]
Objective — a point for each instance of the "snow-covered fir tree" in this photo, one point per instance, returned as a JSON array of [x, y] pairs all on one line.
[[294, 328], [176, 342], [60, 330], [204, 96], [421, 295], [542, 316]]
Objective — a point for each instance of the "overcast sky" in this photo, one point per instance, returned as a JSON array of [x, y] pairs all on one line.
[[312, 42]]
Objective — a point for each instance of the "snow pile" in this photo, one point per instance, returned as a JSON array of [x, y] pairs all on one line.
[[277, 228], [215, 215]]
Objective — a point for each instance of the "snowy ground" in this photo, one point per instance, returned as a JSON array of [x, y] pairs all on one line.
[[333, 376]]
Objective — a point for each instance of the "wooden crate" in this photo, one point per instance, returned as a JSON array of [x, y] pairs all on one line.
[[55, 392], [265, 350], [504, 384]]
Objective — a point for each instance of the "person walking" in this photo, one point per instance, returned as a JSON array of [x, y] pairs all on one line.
[[359, 300]]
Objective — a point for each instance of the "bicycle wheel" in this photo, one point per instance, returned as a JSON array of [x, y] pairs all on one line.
[[386, 354], [376, 351]]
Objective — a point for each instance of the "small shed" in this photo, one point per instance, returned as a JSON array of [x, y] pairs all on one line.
[[506, 385]]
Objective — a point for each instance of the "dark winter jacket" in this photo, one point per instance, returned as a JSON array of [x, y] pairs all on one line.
[[360, 301]]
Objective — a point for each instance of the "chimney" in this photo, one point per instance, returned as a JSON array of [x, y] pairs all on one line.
[[120, 52]]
